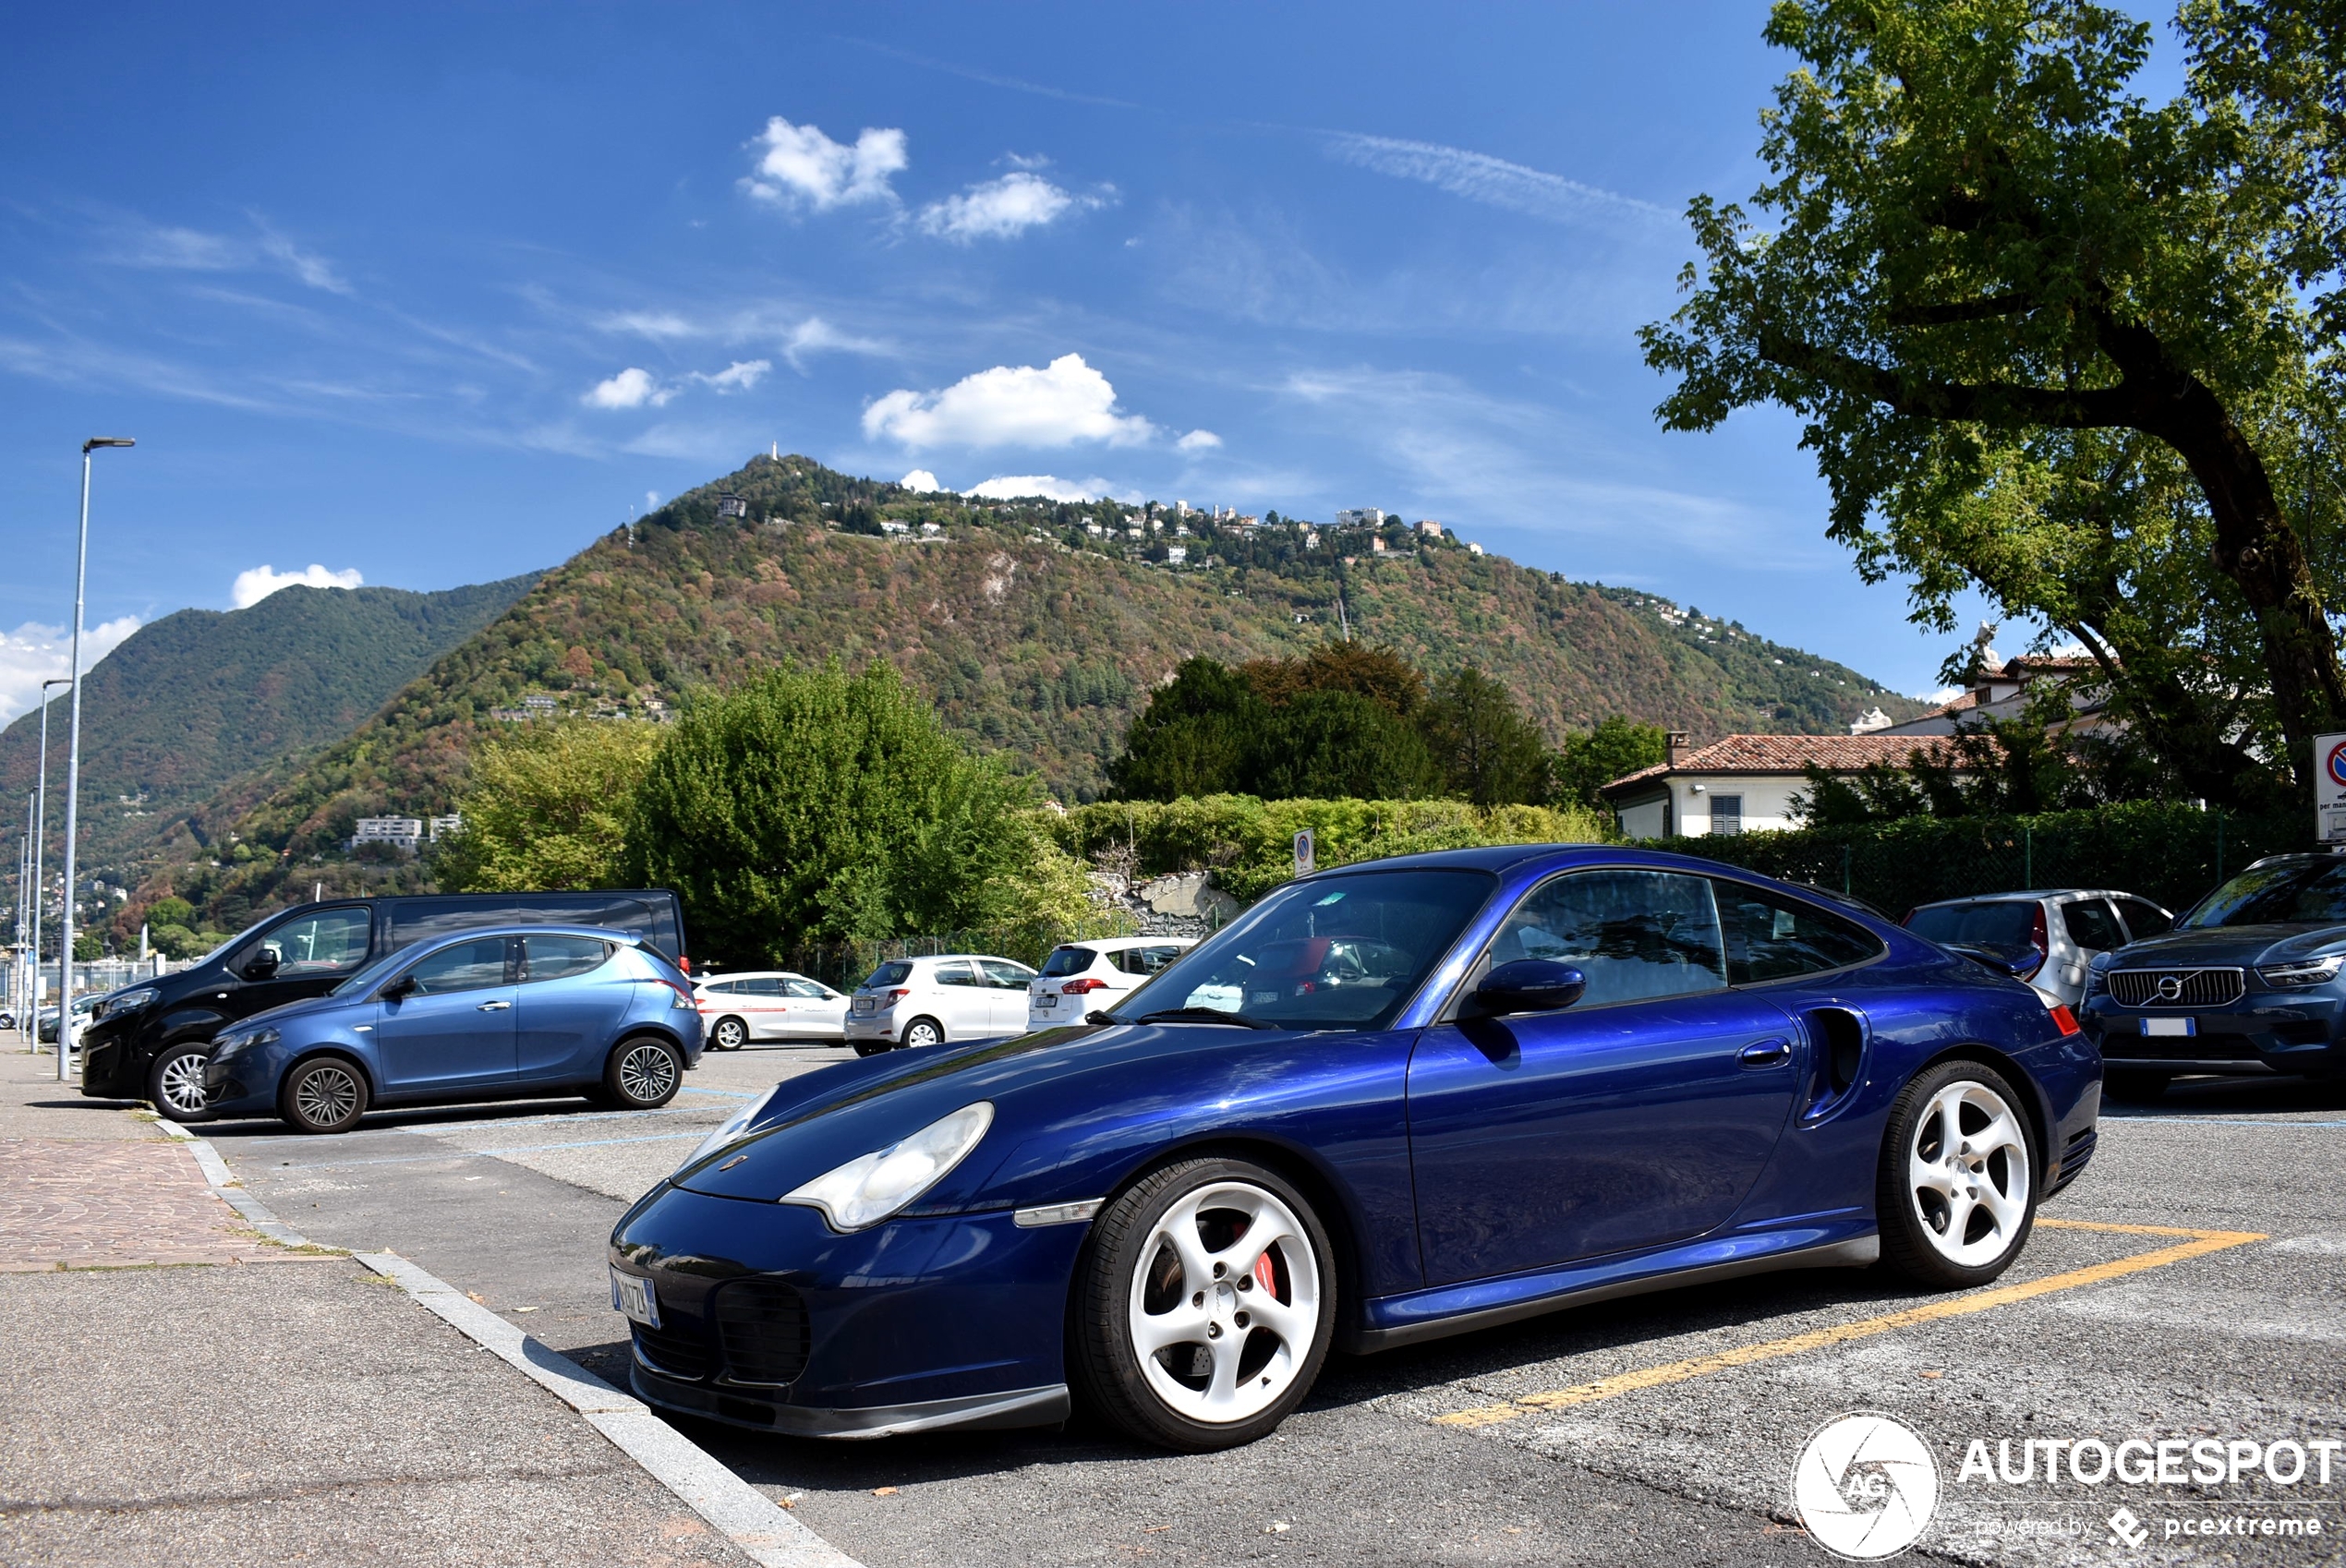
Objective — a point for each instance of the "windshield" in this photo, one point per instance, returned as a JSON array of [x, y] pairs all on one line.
[[374, 973], [2001, 926], [1340, 953], [2293, 892], [1068, 960], [239, 936], [895, 972]]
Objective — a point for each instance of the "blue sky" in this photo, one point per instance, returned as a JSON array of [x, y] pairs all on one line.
[[434, 293]]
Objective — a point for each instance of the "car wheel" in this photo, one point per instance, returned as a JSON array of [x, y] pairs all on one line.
[[922, 1031], [1957, 1192], [2138, 1087], [325, 1095], [174, 1084], [1206, 1306], [730, 1035], [642, 1073]]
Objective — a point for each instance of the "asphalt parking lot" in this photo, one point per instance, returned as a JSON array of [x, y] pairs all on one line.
[[2191, 1288]]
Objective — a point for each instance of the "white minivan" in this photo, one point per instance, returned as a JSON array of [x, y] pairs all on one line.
[[1085, 977], [912, 1002]]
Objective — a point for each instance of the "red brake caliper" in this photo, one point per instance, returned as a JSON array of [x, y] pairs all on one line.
[[1264, 1274]]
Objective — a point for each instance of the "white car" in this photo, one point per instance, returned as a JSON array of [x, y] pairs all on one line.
[[768, 1005], [1083, 977], [911, 1002]]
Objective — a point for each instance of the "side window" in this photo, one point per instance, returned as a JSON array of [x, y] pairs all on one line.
[[2143, 918], [2093, 926], [763, 987], [1634, 933], [959, 973], [464, 966], [1004, 976], [330, 941], [806, 989], [559, 958], [1771, 937], [1144, 961]]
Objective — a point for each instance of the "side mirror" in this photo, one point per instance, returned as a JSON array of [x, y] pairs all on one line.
[[1529, 986], [404, 986], [261, 965]]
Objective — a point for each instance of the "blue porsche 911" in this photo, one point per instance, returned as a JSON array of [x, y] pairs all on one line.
[[1390, 1102]]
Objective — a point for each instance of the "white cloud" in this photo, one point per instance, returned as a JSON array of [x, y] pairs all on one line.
[[1058, 405], [179, 249], [799, 163], [34, 653], [1495, 182], [921, 480], [632, 388], [1198, 440], [651, 500], [814, 336], [1011, 487], [740, 376], [252, 586], [999, 209]]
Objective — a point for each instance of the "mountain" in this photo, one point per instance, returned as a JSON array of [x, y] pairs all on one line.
[[1036, 627], [189, 703]]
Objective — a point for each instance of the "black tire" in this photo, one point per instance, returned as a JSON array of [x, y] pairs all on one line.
[[1942, 1241], [921, 1033], [644, 1072], [174, 1083], [869, 1047], [1110, 1287], [2133, 1086], [728, 1034], [323, 1094]]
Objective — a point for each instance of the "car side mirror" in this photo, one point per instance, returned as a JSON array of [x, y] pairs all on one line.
[[261, 965], [1529, 986], [404, 986]]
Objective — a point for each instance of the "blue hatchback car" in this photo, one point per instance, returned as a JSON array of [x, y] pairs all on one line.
[[485, 1014], [1390, 1102]]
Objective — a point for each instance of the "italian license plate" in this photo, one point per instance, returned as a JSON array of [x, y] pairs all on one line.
[[1045, 1003], [863, 1004], [2171, 1026], [633, 1295]]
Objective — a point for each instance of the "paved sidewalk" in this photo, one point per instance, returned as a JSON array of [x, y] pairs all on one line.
[[170, 1405]]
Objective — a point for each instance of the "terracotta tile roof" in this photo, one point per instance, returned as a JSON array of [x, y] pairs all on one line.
[[1792, 753]]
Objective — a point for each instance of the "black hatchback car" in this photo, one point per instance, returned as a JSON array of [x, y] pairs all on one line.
[[2251, 980], [150, 1042]]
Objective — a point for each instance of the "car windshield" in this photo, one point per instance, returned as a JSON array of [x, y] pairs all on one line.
[[2002, 928], [374, 973], [895, 972], [1068, 960], [2291, 892], [1342, 952]]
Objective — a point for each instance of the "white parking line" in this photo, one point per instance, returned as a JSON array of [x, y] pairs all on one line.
[[456, 1152]]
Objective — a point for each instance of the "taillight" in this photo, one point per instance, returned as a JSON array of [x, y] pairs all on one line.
[[900, 993], [2063, 1019], [1079, 987], [2041, 939]]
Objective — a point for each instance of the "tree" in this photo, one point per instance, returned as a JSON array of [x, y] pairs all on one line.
[[548, 810], [1616, 746], [807, 804], [1488, 752], [1374, 671], [1993, 267], [1337, 745], [1193, 737]]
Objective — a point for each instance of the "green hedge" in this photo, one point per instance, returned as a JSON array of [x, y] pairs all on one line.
[[2168, 852], [1249, 844]]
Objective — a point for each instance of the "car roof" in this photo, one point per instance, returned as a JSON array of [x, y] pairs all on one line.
[[2033, 895], [1117, 944], [475, 932]]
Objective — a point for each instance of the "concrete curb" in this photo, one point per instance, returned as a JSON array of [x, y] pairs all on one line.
[[746, 1516]]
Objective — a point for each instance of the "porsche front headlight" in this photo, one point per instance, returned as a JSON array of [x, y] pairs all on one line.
[[869, 1189]]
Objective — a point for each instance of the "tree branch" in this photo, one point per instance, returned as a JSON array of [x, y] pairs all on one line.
[[2011, 304], [2118, 407]]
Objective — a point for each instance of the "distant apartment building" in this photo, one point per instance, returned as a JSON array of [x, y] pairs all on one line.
[[402, 833], [1176, 554], [441, 825], [1362, 517], [1474, 549], [1429, 528], [894, 529]]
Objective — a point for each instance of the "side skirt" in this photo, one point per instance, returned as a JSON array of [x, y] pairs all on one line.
[[1397, 1321]]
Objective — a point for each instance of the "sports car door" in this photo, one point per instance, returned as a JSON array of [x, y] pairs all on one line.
[[1638, 1116]]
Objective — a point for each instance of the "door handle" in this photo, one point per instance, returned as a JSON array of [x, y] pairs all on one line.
[[1766, 1053], [494, 1006]]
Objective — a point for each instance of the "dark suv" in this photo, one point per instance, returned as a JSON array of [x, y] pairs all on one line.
[[150, 1042], [2248, 982]]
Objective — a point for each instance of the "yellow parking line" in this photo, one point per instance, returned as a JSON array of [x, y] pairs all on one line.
[[2199, 1245]]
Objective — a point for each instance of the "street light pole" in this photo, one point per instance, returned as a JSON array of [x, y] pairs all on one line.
[[73, 767], [39, 831]]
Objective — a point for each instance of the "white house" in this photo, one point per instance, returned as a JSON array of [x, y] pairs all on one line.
[[399, 832], [1744, 782]]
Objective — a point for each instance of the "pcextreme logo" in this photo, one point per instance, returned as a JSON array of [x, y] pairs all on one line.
[[1864, 1487]]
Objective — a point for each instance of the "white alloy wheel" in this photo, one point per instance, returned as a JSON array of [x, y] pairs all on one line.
[[1968, 1174], [647, 1073], [1224, 1305], [180, 1085], [730, 1035]]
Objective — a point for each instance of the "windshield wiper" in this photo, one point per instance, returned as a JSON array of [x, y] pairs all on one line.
[[1198, 1015]]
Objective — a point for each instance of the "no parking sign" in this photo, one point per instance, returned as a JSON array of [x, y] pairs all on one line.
[[2330, 788]]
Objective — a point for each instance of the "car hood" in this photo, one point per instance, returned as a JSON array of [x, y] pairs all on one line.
[[2231, 945], [1065, 1101]]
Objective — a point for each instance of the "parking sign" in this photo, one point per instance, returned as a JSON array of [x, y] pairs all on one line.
[[2329, 789], [1306, 855]]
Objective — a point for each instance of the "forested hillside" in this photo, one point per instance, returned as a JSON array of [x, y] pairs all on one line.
[[1036, 628]]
